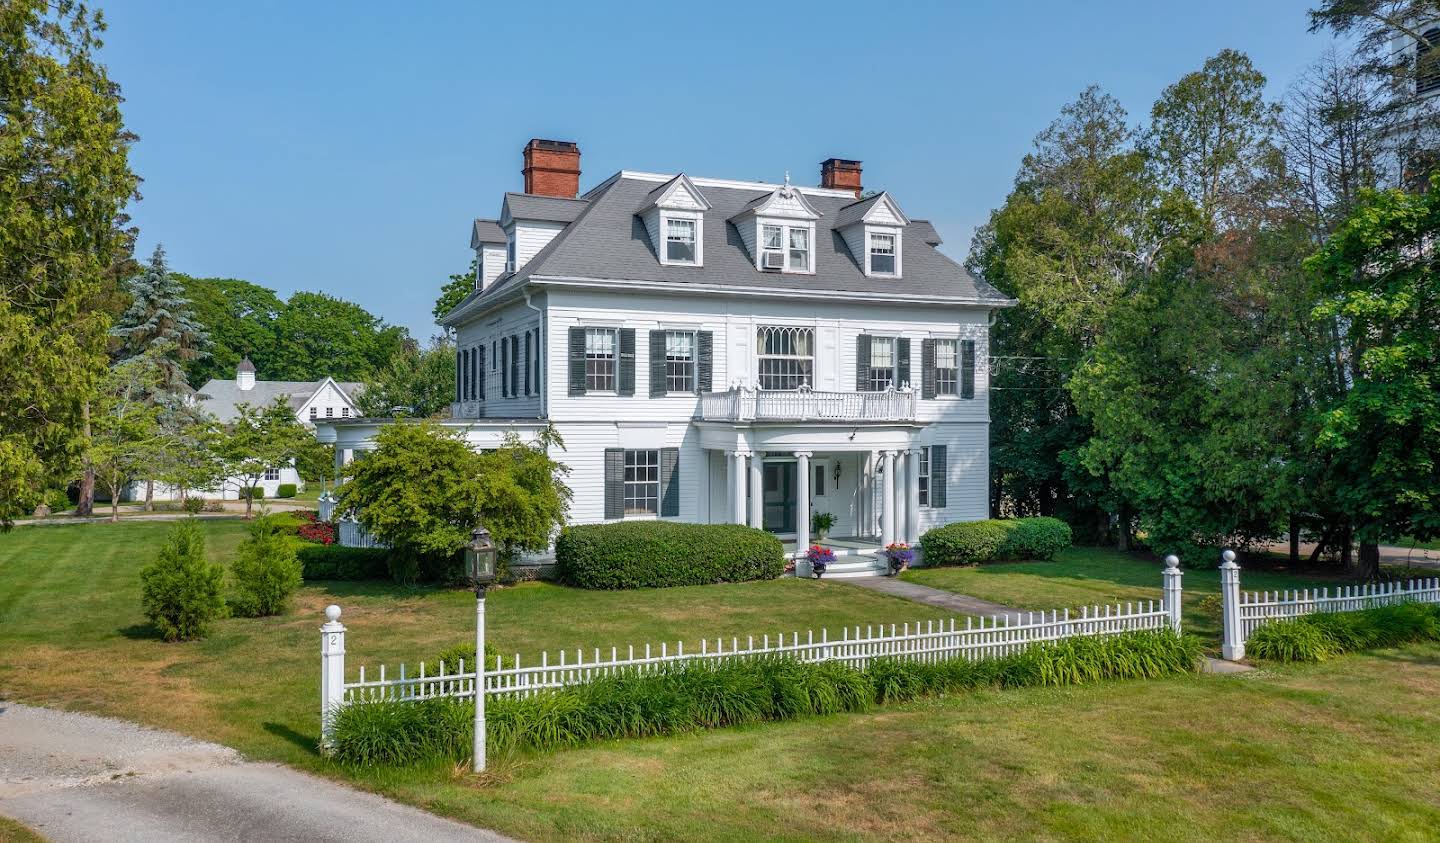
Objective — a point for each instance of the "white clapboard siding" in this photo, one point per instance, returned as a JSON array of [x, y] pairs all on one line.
[[923, 641]]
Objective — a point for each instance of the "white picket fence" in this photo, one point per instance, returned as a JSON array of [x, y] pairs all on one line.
[[353, 534], [1246, 611]]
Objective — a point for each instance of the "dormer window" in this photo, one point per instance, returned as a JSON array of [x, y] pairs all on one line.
[[680, 240], [882, 254], [799, 249], [772, 247], [510, 253]]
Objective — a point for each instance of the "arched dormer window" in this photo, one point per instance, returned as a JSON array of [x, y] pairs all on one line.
[[1427, 66]]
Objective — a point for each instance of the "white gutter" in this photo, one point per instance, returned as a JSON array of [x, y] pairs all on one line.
[[759, 292], [542, 339]]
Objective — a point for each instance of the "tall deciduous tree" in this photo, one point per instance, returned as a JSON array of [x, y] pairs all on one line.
[[65, 179], [258, 439], [1380, 276], [240, 318], [419, 380], [126, 437], [455, 290], [318, 335]]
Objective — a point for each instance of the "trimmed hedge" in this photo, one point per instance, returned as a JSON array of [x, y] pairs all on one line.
[[252, 492], [333, 562], [973, 542], [658, 554], [285, 490], [685, 698]]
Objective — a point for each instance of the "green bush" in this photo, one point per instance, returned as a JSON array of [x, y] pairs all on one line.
[[964, 542], [451, 656], [655, 554], [181, 591], [333, 562], [686, 698], [58, 500], [1035, 538], [193, 505], [1313, 638], [285, 490], [266, 572], [253, 493]]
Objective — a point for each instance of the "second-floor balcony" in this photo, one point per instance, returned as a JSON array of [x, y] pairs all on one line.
[[743, 404]]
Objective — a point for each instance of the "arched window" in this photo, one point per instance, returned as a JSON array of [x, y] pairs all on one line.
[[1427, 70]]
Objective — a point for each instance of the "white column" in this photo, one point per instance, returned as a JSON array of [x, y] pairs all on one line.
[[872, 516], [912, 496], [1171, 576], [887, 500], [1232, 642], [802, 502], [900, 499], [735, 475], [477, 749], [757, 491], [332, 674]]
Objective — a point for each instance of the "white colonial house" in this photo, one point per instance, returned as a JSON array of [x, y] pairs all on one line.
[[312, 401], [713, 350]]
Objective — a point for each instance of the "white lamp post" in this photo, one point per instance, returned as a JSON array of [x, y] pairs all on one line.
[[480, 557]]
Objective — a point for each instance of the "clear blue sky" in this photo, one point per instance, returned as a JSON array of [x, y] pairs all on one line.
[[345, 147]]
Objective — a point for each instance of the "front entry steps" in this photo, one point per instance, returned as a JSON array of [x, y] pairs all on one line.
[[850, 566]]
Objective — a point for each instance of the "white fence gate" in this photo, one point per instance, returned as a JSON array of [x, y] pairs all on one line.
[[929, 641], [353, 534], [1245, 611]]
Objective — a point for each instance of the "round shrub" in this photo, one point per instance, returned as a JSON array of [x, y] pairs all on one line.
[[193, 505], [965, 542], [656, 554], [285, 490], [181, 590], [266, 571], [1035, 538]]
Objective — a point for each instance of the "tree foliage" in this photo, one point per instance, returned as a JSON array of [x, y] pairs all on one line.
[[182, 590], [455, 290], [259, 438], [159, 323], [318, 335], [126, 438], [416, 382], [65, 179]]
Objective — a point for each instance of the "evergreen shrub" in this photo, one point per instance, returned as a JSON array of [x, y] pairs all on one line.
[[181, 591], [266, 572], [656, 554]]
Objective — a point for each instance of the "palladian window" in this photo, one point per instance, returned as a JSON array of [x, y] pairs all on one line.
[[785, 357]]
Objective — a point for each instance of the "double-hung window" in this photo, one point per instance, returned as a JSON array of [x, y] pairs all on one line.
[[947, 368], [925, 476], [679, 361], [785, 357], [772, 238], [882, 363], [600, 359], [800, 249], [642, 482], [679, 240], [882, 254], [272, 474]]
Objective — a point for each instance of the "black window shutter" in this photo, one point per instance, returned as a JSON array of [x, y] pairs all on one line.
[[527, 362], [471, 389], [902, 357], [459, 373], [967, 368], [515, 365], [657, 364], [705, 370], [539, 361], [670, 482], [862, 363], [480, 367], [927, 368], [504, 368], [614, 482], [937, 476], [627, 361], [577, 361]]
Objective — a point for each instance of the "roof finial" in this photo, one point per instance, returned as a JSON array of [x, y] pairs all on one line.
[[787, 180]]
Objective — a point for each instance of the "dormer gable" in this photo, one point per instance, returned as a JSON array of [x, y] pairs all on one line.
[[778, 230], [489, 242], [531, 221], [674, 218], [873, 228]]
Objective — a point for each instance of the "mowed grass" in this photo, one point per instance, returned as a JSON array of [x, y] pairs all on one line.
[[1088, 576], [72, 633], [1342, 750]]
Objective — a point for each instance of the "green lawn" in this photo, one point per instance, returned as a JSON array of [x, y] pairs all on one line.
[[1342, 750], [1086, 576]]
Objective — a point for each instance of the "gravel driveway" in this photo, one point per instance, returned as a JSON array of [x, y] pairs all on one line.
[[75, 777]]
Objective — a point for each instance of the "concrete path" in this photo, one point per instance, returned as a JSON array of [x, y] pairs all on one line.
[[75, 777], [1416, 557], [962, 603], [233, 509]]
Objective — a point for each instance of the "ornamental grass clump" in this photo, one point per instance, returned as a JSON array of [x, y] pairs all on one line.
[[689, 697], [182, 591], [1314, 638]]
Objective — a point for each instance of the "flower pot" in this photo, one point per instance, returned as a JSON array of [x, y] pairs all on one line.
[[819, 569], [822, 535]]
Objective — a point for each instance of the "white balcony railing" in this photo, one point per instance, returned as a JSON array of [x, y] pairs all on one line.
[[747, 404]]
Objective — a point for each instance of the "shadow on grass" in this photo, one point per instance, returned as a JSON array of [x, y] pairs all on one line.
[[374, 588], [308, 743], [140, 632]]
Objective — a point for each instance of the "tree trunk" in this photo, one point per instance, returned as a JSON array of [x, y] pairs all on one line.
[[1122, 530], [249, 502], [149, 495], [1367, 565], [1294, 540], [85, 502]]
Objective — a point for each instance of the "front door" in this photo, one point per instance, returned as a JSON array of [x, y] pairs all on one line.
[[779, 500]]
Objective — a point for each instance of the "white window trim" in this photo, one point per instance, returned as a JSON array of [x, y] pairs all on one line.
[[664, 250], [785, 225], [893, 232], [949, 396]]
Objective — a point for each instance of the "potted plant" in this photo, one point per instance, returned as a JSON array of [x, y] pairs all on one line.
[[819, 558], [820, 524], [900, 555]]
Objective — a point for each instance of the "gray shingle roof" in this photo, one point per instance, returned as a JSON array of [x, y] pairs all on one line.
[[486, 231], [221, 397], [529, 206]]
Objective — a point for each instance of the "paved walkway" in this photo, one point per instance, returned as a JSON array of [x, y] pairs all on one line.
[[1417, 557], [962, 603], [75, 777], [233, 509]]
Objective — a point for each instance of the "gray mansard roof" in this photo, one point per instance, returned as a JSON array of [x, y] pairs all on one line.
[[607, 240], [220, 398]]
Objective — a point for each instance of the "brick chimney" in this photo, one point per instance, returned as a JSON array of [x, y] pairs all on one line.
[[840, 174], [552, 168]]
